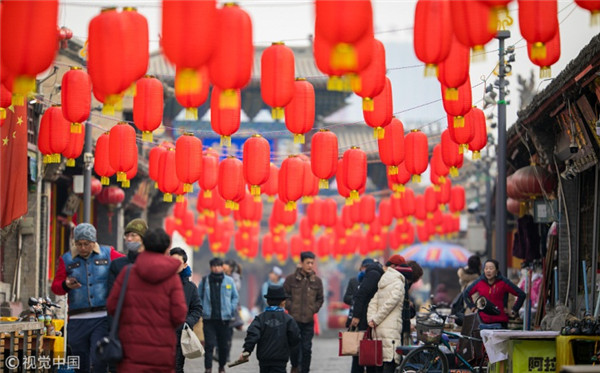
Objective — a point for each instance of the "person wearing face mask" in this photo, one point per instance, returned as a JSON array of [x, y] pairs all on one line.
[[134, 234]]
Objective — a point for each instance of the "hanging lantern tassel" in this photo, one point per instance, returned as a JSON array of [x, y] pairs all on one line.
[[22, 86], [323, 184], [478, 53], [451, 94], [2, 113], [416, 178], [453, 171], [545, 72], [595, 18], [187, 81], [168, 197], [179, 198], [147, 136], [343, 57], [111, 103], [459, 121], [228, 99], [431, 70], [298, 138], [368, 104], [356, 85], [207, 194], [156, 185], [257, 198], [277, 113], [290, 206], [335, 83], [75, 127], [523, 208], [226, 141], [255, 190], [121, 176], [191, 113], [188, 188], [476, 155], [393, 170], [462, 148], [55, 158], [379, 133], [354, 196], [349, 201], [46, 159], [125, 184], [104, 180], [538, 51], [271, 199], [71, 162]]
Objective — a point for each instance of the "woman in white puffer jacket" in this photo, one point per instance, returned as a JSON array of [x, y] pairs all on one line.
[[385, 311]]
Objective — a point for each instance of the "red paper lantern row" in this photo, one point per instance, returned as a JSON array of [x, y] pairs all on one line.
[[191, 89], [416, 150], [454, 70], [432, 33], [291, 181], [29, 42], [552, 56], [76, 97], [53, 136], [102, 165], [257, 165], [148, 106], [74, 146], [371, 81], [230, 66], [324, 156], [225, 120], [474, 25], [538, 23], [391, 147], [277, 73], [188, 160], [382, 113], [123, 151], [300, 111], [231, 182], [355, 171]]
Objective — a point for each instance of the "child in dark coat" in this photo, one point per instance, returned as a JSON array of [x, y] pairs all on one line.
[[275, 332]]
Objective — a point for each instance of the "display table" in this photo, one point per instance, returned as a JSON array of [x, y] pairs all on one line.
[[496, 341], [565, 349]]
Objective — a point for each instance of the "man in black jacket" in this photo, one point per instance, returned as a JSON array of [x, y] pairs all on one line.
[[360, 304], [352, 287], [134, 234], [192, 299], [275, 332]]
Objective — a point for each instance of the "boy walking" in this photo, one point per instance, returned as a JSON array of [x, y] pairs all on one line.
[[275, 332]]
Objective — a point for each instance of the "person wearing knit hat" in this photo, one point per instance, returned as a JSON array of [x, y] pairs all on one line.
[[83, 273], [137, 227], [134, 235]]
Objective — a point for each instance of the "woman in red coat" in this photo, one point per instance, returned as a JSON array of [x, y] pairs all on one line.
[[153, 308]]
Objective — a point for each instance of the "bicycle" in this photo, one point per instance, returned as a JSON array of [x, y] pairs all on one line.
[[429, 357]]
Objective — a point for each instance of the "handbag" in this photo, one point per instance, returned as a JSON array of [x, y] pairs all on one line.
[[350, 342], [109, 348], [191, 347], [371, 350], [199, 330]]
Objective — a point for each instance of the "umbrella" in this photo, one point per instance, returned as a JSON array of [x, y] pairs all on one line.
[[437, 254]]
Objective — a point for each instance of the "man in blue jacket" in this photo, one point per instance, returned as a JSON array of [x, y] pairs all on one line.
[[219, 299]]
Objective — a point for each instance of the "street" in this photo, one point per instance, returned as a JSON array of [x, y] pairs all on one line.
[[324, 359]]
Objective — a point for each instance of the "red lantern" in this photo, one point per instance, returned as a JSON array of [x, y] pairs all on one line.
[[534, 180], [74, 147], [420, 210], [291, 178], [210, 171], [324, 156], [391, 147], [231, 182], [479, 141], [329, 208], [136, 54], [416, 150], [225, 121], [451, 154], [122, 146], [96, 187], [168, 183], [385, 212], [76, 97], [512, 190], [340, 178], [129, 175], [474, 25], [53, 136], [433, 33], [367, 208], [5, 101], [111, 196], [593, 6], [277, 73], [300, 111], [438, 166], [102, 165], [460, 107], [401, 178], [355, 171], [431, 203], [533, 29], [371, 81], [462, 135], [154, 162], [382, 112], [192, 91], [443, 195], [454, 70], [408, 203], [230, 66], [457, 199], [552, 56], [148, 106], [188, 40], [513, 206], [29, 42], [271, 187], [188, 160], [257, 165], [310, 185]]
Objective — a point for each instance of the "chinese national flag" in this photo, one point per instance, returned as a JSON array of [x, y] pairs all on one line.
[[13, 165]]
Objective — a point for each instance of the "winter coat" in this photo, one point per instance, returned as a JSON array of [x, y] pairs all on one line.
[[365, 292], [276, 334], [192, 300], [350, 290], [465, 279], [385, 309], [117, 265], [306, 295], [497, 294], [153, 308], [229, 298]]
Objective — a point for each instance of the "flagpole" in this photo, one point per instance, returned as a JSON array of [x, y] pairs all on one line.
[[88, 162]]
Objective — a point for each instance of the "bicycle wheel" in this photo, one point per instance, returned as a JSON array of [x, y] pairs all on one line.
[[424, 359]]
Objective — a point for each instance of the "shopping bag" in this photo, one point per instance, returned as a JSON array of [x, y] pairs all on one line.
[[199, 330], [191, 347], [350, 342], [371, 350]]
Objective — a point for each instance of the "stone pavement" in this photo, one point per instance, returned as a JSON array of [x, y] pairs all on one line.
[[324, 357]]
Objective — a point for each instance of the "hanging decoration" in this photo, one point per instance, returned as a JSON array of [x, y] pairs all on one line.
[[454, 70], [188, 160], [432, 33], [148, 106], [416, 151], [291, 181], [102, 165], [324, 156], [457, 109], [593, 6], [552, 56], [225, 121], [74, 146], [451, 154], [382, 112], [168, 183], [474, 25], [257, 163], [300, 111], [391, 147], [277, 73], [479, 141], [538, 23], [355, 171], [76, 97], [53, 136], [122, 146], [231, 182], [192, 97], [371, 81], [210, 171]]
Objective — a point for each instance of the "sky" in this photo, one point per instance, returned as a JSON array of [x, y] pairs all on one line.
[[416, 98]]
